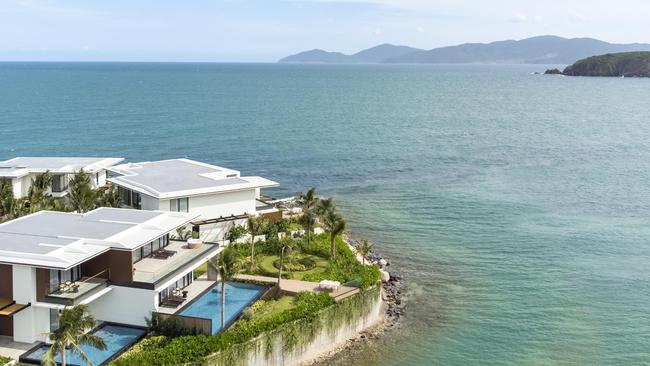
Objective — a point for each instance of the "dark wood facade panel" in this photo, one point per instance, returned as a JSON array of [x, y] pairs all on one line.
[[42, 283], [6, 282]]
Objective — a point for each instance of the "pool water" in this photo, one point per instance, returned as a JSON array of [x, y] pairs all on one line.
[[117, 337], [208, 305]]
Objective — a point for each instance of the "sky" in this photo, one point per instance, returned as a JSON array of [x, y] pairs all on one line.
[[266, 30]]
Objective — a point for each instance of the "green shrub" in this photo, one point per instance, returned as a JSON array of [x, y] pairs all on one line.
[[345, 268], [5, 360], [247, 314], [188, 349], [170, 327], [297, 265], [258, 305]]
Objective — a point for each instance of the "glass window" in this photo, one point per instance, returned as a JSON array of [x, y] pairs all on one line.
[[137, 255], [157, 244], [179, 204], [57, 277], [54, 320], [136, 202], [183, 204], [146, 250], [57, 185], [54, 280], [125, 194]]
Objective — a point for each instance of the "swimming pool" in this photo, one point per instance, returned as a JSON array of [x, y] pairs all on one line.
[[208, 305], [118, 338]]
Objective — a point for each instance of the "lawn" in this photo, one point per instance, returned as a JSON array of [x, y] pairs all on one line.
[[269, 308], [266, 264], [200, 270]]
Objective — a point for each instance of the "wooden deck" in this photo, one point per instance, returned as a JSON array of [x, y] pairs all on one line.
[[196, 288], [295, 286]]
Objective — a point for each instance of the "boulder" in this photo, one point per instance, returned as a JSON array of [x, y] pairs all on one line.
[[385, 276], [553, 72]]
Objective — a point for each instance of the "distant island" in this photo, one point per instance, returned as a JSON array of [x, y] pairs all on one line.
[[536, 50], [626, 64]]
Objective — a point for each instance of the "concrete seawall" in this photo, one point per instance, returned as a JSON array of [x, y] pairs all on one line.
[[302, 342]]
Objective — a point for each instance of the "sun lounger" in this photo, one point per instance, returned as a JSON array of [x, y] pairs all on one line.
[[163, 254], [329, 285], [173, 301]]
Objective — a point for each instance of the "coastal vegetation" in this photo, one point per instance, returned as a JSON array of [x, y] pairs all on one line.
[[626, 64], [71, 333], [81, 197], [227, 265], [293, 324], [291, 320]]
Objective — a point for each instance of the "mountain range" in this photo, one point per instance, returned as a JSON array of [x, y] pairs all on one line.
[[535, 50]]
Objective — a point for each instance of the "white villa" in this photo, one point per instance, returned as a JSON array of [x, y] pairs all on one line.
[[22, 170], [121, 262], [218, 196]]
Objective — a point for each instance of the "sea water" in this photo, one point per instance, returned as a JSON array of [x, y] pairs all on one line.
[[516, 205]]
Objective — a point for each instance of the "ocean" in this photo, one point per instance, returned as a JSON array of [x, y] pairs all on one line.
[[516, 205]]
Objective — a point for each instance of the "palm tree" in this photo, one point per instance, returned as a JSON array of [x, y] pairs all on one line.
[[364, 249], [307, 221], [109, 198], [81, 195], [287, 245], [41, 183], [71, 334], [18, 208], [308, 202], [256, 225], [6, 196], [333, 224], [38, 199], [228, 264], [324, 205]]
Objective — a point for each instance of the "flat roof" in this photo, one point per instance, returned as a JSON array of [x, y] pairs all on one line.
[[182, 177], [63, 240], [21, 166]]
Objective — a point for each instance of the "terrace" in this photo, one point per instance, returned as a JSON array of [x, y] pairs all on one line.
[[196, 288], [73, 293], [154, 269]]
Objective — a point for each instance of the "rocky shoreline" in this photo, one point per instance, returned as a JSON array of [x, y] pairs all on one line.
[[392, 284], [393, 295]]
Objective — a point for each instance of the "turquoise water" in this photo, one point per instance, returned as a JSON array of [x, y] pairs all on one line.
[[208, 306], [116, 337], [517, 205]]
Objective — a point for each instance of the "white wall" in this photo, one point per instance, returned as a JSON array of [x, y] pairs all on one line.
[[125, 305], [32, 322], [215, 233], [102, 178], [21, 185], [325, 341], [150, 203], [223, 204], [213, 205]]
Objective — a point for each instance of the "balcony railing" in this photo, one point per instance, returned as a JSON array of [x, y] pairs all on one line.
[[152, 270], [70, 292]]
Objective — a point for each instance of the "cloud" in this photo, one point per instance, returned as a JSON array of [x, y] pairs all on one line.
[[518, 18]]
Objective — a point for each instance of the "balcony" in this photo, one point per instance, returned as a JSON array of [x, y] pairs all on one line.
[[155, 269], [72, 293]]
